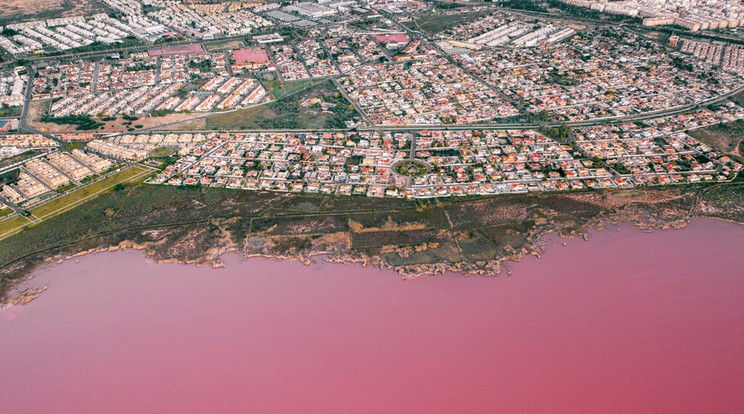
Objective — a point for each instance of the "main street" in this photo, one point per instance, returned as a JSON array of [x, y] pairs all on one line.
[[23, 125]]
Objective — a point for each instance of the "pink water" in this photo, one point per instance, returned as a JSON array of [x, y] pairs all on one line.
[[625, 323]]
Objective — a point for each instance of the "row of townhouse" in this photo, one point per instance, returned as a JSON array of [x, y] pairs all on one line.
[[64, 33], [40, 177]]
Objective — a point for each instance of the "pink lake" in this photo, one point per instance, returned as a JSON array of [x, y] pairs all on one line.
[[624, 323]]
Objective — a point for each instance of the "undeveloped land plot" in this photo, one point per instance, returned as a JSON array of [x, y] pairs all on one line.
[[11, 11]]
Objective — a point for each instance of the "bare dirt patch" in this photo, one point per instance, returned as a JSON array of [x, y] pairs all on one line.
[[181, 122], [15, 10], [36, 110], [228, 45], [186, 122], [199, 124], [725, 137]]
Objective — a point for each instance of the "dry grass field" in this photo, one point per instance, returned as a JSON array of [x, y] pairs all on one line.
[[12, 11], [728, 138]]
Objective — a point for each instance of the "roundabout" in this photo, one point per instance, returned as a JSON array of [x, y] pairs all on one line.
[[164, 151], [411, 168]]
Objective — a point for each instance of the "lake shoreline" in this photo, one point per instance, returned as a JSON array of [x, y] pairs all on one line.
[[629, 322], [471, 237], [19, 294]]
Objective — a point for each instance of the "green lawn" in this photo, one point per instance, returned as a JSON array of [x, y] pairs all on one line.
[[134, 174], [71, 200], [162, 152], [11, 225], [5, 212], [72, 145]]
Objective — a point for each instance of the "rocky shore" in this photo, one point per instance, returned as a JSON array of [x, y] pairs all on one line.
[[474, 237]]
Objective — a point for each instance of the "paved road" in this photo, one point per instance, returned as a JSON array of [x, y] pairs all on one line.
[[10, 204], [23, 125], [37, 178], [351, 100], [457, 64], [23, 122], [61, 171]]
